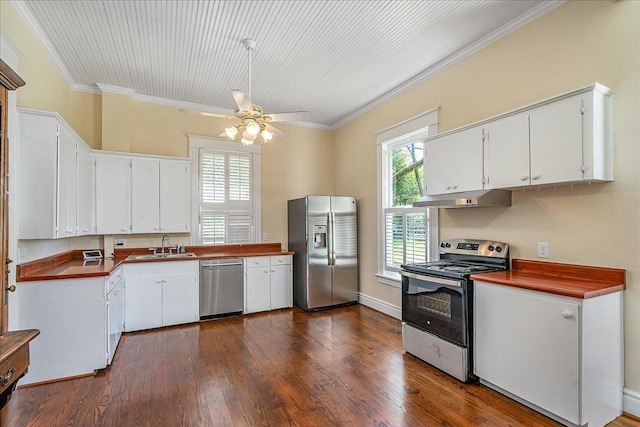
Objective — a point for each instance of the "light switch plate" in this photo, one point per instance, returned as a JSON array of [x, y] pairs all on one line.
[[265, 237]]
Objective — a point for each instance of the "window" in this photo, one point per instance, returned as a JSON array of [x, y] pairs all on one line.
[[406, 234], [227, 202]]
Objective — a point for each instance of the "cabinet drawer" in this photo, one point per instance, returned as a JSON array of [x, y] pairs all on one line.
[[258, 261], [280, 260], [19, 361]]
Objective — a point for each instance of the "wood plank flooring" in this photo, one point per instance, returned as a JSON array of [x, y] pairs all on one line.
[[340, 367]]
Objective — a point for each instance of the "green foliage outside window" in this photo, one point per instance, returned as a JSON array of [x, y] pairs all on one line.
[[408, 174]]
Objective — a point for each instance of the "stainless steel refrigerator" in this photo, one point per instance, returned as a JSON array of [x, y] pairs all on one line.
[[323, 233]]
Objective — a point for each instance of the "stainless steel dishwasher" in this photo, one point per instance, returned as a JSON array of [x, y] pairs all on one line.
[[221, 287]]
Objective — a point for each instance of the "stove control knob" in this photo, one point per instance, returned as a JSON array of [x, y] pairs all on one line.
[[442, 245], [491, 248], [448, 245], [498, 248]]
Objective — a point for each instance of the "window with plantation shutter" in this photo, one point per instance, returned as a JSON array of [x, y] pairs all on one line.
[[226, 213], [407, 234]]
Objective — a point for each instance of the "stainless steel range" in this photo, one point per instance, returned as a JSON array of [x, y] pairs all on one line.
[[437, 305]]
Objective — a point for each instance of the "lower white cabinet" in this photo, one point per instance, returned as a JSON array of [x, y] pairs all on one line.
[[115, 312], [160, 293], [268, 283], [71, 317], [560, 355]]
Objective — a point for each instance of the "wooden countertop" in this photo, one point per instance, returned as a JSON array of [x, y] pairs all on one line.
[[11, 342], [570, 280], [70, 265]]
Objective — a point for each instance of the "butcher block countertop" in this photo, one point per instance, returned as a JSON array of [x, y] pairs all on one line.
[[570, 280], [71, 265]]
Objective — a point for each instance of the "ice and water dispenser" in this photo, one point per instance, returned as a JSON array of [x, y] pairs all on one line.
[[319, 236]]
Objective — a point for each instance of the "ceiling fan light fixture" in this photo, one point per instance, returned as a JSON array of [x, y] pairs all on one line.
[[246, 141], [266, 135], [231, 132], [253, 128]]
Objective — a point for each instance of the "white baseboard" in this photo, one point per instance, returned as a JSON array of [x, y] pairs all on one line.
[[379, 305], [631, 402]]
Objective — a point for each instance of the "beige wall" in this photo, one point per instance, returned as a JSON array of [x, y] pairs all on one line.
[[574, 45]]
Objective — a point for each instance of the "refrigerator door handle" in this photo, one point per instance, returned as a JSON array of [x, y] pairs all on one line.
[[333, 238], [329, 238]]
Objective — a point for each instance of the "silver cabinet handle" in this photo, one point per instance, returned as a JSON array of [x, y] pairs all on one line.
[[534, 177], [524, 178]]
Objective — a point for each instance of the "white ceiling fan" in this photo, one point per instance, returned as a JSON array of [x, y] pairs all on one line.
[[254, 124]]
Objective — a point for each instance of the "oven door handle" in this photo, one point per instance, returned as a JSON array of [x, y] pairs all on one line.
[[439, 280]]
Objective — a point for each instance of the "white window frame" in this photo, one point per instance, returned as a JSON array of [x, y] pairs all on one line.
[[198, 142], [416, 128]]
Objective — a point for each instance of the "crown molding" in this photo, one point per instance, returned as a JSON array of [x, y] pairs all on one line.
[[480, 44], [87, 89], [16, 50], [43, 41]]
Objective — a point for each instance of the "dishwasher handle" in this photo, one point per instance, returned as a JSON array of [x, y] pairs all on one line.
[[220, 263]]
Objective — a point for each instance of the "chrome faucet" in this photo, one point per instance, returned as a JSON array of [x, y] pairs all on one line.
[[166, 236]]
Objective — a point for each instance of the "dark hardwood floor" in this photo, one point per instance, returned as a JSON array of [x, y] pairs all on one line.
[[340, 367]]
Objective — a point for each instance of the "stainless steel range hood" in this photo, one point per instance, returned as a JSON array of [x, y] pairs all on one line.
[[467, 199]]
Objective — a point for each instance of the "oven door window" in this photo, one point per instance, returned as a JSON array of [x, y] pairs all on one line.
[[435, 307]]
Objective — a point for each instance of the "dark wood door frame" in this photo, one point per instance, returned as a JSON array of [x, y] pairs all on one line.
[[9, 80]]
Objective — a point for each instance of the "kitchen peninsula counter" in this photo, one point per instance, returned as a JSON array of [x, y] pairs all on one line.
[[71, 265], [569, 280]]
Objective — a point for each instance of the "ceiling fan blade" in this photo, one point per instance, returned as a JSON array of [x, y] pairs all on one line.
[[275, 131], [286, 117], [205, 113], [243, 100]]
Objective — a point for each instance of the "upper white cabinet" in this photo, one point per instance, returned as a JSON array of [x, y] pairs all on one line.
[[86, 206], [561, 140], [141, 194], [506, 152], [160, 195], [113, 193], [52, 180], [453, 162]]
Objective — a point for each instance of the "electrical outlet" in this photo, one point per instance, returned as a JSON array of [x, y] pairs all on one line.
[[265, 237], [120, 243], [46, 249], [543, 250]]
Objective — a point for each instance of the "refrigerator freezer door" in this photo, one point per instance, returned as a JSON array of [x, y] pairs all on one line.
[[345, 249], [319, 278]]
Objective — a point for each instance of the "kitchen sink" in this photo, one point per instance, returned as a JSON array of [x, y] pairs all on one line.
[[160, 256]]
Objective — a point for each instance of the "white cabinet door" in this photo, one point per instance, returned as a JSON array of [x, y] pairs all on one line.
[[145, 195], [179, 298], [280, 286], [67, 184], [86, 192], [453, 163], [143, 302], [258, 289], [174, 197], [506, 150], [528, 344], [556, 142], [113, 194]]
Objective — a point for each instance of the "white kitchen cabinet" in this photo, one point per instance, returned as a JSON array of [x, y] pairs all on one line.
[[453, 162], [113, 193], [49, 176], [115, 311], [160, 293], [506, 152], [560, 355], [145, 195], [86, 206], [175, 196], [268, 283], [160, 195], [70, 315]]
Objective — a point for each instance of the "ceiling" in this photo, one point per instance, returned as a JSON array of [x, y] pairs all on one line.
[[335, 59]]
